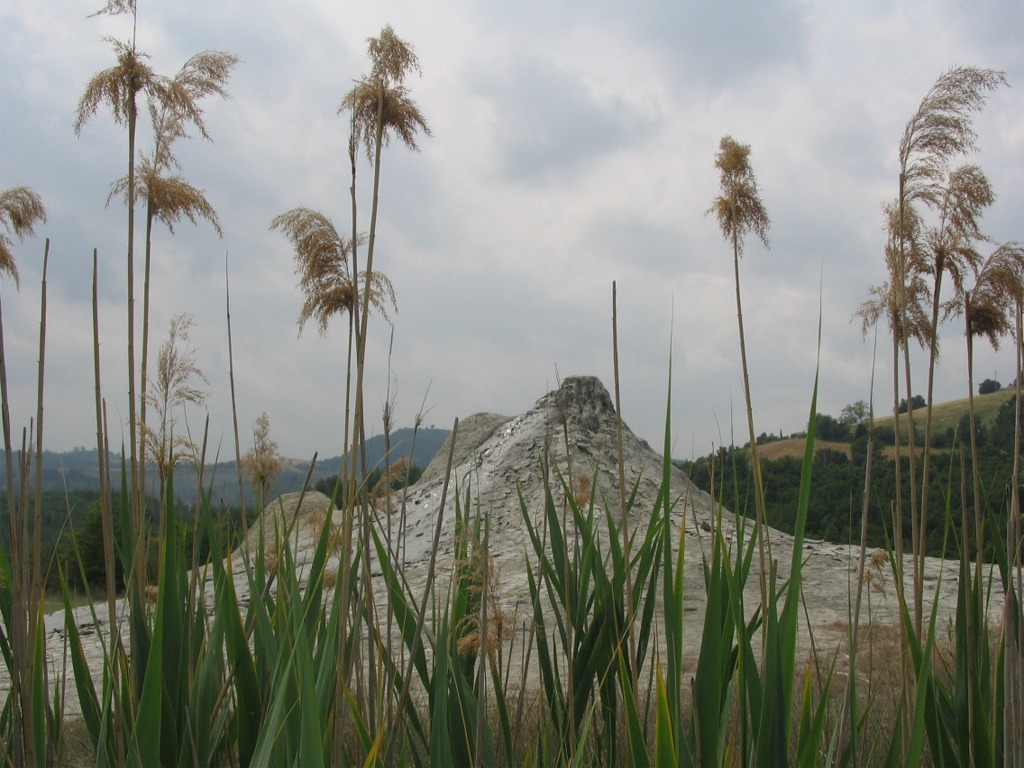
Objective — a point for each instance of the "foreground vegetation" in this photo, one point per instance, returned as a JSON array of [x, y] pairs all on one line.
[[312, 666]]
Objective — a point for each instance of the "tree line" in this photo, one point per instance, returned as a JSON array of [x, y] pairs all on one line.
[[71, 526], [838, 481]]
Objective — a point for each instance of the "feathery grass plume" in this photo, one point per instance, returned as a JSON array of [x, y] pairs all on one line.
[[322, 263], [886, 302], [204, 74], [483, 620], [379, 102], [20, 210], [158, 181], [400, 115], [901, 302], [950, 245], [740, 212], [998, 285], [116, 8], [739, 209], [379, 105], [176, 369], [942, 129], [939, 130], [393, 478], [988, 311], [172, 109], [118, 88], [998, 289], [173, 388], [262, 462], [963, 198]]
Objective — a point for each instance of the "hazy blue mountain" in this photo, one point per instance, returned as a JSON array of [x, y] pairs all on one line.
[[78, 469], [428, 443]]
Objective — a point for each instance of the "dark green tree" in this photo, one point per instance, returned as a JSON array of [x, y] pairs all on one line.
[[855, 413], [830, 429], [988, 386]]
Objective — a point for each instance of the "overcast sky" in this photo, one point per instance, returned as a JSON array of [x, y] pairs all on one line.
[[573, 146]]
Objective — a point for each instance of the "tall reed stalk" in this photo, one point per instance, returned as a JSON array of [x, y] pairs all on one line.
[[739, 211], [940, 130], [1013, 607], [850, 700]]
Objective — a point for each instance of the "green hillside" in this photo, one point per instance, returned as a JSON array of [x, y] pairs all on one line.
[[839, 467], [945, 416], [948, 415]]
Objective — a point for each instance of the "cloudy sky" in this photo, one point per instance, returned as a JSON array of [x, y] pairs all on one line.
[[572, 146]]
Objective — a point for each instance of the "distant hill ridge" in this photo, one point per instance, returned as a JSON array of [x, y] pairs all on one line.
[[949, 413], [78, 469], [945, 416]]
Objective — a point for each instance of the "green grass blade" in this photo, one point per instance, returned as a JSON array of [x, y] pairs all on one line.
[[39, 693], [146, 731], [779, 673], [925, 720], [636, 743], [712, 676], [310, 753], [501, 705], [172, 621], [84, 685], [665, 746], [441, 747], [811, 729], [248, 710], [281, 732]]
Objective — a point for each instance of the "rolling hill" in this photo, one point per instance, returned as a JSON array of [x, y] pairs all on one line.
[[945, 416], [78, 469]]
